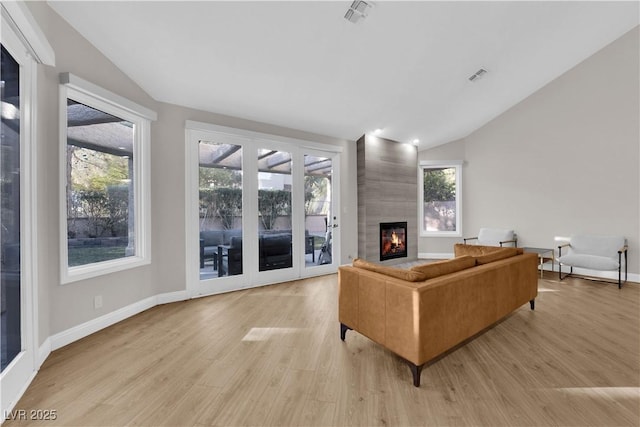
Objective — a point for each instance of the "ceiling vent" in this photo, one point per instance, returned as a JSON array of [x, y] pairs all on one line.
[[357, 11], [481, 72]]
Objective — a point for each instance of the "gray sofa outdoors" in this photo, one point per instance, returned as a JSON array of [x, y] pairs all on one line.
[[224, 248], [209, 242]]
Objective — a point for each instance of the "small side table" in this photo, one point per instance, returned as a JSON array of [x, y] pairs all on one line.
[[544, 255]]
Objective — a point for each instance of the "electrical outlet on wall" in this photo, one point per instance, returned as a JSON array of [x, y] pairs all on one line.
[[97, 301]]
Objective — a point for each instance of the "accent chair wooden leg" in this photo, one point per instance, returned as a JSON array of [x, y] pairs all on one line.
[[343, 330], [532, 303], [416, 370]]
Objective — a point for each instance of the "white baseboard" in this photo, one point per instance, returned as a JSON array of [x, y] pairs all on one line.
[[85, 329], [6, 411], [80, 331], [170, 297], [43, 352]]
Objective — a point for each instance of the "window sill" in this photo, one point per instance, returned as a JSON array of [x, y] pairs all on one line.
[[83, 272]]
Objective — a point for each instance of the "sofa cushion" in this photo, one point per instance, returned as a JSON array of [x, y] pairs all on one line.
[[592, 262], [236, 242], [275, 244], [604, 246], [398, 273], [460, 249], [212, 237], [502, 253], [440, 268], [230, 234]]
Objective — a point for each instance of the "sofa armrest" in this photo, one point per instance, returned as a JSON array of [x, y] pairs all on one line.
[[623, 249], [380, 307], [348, 301]]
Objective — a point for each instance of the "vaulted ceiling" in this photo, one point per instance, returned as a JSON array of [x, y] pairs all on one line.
[[404, 69]]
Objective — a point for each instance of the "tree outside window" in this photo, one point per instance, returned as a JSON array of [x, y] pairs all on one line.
[[440, 194], [104, 181]]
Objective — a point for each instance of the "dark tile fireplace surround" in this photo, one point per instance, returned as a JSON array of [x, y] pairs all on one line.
[[387, 193]]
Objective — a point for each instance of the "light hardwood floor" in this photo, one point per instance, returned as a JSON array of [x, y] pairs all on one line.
[[273, 356]]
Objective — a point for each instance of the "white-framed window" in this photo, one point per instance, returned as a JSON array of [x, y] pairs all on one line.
[[440, 198], [104, 181]]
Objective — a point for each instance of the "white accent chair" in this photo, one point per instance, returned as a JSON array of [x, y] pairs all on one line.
[[594, 253], [494, 237]]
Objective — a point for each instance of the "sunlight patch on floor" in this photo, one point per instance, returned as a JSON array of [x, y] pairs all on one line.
[[547, 290], [612, 392], [264, 334]]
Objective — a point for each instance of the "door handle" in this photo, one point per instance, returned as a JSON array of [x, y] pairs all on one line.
[[335, 225]]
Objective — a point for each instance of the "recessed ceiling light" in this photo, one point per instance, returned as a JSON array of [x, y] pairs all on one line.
[[377, 131], [416, 141]]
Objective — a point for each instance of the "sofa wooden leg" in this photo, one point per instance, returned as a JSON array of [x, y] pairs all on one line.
[[343, 330], [416, 370], [532, 303]]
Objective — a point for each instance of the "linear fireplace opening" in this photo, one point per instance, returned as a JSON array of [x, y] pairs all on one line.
[[393, 240]]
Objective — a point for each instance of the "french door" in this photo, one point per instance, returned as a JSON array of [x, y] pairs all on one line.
[[260, 209], [321, 189], [17, 325]]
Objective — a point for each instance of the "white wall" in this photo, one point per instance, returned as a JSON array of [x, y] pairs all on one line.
[[63, 307], [563, 161]]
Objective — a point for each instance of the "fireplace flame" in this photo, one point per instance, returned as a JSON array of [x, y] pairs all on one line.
[[395, 241]]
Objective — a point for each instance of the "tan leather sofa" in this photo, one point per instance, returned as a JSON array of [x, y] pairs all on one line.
[[423, 312]]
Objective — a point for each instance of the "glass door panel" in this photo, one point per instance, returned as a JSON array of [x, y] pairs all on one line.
[[274, 210], [220, 209], [10, 267], [317, 210]]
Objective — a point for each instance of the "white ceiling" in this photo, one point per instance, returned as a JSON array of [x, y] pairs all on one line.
[[301, 65]]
